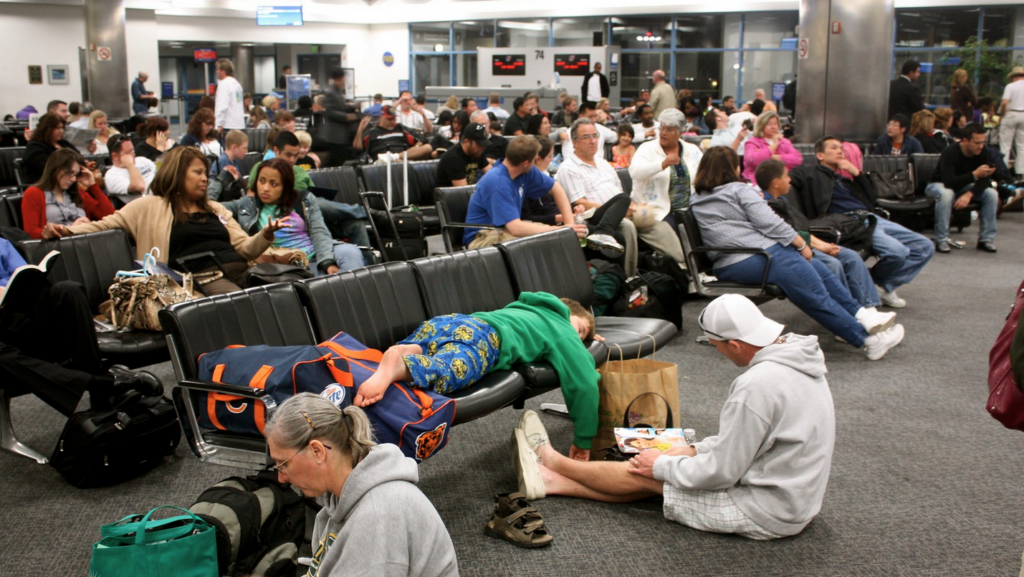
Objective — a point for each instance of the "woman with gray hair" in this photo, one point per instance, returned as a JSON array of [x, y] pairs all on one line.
[[663, 169], [768, 142], [374, 517]]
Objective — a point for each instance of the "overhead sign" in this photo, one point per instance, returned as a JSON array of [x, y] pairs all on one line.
[[205, 54], [103, 53], [803, 48]]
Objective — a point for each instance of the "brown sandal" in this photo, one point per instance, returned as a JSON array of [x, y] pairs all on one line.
[[524, 528]]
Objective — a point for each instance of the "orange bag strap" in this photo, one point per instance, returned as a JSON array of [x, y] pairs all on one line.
[[212, 398], [365, 354], [259, 381], [425, 400]]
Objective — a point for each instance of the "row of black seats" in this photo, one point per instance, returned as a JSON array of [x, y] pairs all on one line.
[[380, 305]]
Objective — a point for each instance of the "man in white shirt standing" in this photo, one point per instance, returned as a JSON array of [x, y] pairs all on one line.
[[411, 115], [129, 174], [1011, 128], [494, 106], [595, 85], [228, 109]]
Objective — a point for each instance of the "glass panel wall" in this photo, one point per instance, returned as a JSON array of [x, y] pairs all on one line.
[[942, 27], [431, 71], [761, 69], [524, 33], [472, 35], [647, 32], [637, 68], [580, 31], [700, 31], [430, 36]]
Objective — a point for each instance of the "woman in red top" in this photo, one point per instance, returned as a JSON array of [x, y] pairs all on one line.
[[66, 194]]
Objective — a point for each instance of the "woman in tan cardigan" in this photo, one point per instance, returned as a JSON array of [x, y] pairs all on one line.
[[180, 221]]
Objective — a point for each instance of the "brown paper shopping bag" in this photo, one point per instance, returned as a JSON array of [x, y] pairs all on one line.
[[622, 382]]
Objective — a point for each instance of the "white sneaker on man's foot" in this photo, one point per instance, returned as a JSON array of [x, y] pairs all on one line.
[[891, 299], [875, 346], [874, 321], [533, 429], [524, 460]]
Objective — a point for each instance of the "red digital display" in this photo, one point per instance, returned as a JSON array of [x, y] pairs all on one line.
[[508, 65], [572, 64]]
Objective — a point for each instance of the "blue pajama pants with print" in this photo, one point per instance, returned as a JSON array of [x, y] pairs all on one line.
[[458, 350]]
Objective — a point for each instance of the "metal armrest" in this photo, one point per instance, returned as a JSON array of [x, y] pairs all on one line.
[[468, 225], [882, 212], [236, 390]]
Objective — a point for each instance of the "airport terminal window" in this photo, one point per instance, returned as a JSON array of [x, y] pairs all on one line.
[[767, 29], [647, 32], [431, 71], [934, 85], [699, 31], [637, 68], [524, 33], [426, 37], [761, 69], [472, 35], [465, 69], [702, 72], [938, 27], [579, 31], [1003, 28]]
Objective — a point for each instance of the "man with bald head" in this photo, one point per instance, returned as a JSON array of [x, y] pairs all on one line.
[[759, 95], [663, 96], [140, 98]]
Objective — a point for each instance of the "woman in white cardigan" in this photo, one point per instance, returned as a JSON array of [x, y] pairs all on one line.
[[663, 169]]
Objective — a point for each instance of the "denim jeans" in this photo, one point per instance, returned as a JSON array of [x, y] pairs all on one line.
[[344, 221], [810, 285], [851, 271], [944, 199], [348, 256], [901, 252]]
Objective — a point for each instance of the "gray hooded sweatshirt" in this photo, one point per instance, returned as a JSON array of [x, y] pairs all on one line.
[[382, 524], [773, 450]]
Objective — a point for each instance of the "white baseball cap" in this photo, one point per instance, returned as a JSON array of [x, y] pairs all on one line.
[[735, 318]]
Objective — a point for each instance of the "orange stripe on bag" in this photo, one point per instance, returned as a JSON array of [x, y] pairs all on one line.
[[259, 381], [365, 354], [211, 398]]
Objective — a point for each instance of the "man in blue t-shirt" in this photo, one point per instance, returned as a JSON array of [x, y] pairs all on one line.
[[498, 199]]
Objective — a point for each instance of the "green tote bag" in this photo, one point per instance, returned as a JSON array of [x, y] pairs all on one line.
[[138, 546]]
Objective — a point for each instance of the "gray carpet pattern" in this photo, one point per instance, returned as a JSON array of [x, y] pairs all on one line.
[[923, 482]]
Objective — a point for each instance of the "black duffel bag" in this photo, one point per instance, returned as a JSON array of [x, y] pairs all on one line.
[[100, 448], [855, 229]]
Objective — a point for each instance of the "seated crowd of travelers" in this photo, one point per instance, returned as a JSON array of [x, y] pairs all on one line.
[[746, 185]]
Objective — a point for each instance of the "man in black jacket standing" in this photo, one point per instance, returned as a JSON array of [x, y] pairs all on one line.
[[820, 190], [341, 121], [966, 173], [904, 95], [595, 85]]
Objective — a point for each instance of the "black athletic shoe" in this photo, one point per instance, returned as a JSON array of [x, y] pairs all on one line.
[[142, 381], [987, 246]]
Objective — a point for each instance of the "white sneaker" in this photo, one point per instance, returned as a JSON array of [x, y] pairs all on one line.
[[891, 299], [874, 321], [875, 346], [533, 429], [524, 461]]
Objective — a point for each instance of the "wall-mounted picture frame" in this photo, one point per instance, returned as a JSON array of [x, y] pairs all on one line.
[[35, 74], [57, 73]]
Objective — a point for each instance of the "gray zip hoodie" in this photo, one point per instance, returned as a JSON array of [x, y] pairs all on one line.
[[382, 524], [773, 450]]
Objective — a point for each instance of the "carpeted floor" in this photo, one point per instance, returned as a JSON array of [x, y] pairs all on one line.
[[923, 481]]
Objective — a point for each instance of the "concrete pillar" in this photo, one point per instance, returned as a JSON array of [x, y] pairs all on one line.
[[245, 65], [843, 77], [108, 72]]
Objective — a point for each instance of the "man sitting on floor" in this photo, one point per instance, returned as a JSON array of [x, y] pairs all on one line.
[[498, 199], [966, 173], [763, 476], [451, 352], [820, 190]]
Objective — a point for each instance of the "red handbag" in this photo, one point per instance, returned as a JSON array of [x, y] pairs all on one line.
[[1005, 399]]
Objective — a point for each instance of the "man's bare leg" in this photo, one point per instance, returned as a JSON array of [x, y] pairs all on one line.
[[392, 369], [597, 480]]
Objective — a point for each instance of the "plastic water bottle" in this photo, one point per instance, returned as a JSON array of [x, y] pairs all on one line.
[[690, 436], [581, 220]]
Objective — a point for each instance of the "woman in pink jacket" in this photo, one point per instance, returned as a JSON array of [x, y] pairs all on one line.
[[768, 142]]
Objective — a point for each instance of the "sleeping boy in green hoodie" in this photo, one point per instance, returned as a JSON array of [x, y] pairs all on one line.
[[451, 352]]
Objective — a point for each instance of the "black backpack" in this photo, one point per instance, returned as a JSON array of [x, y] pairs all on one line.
[[260, 524]]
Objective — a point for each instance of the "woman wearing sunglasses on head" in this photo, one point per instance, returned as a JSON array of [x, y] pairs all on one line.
[[66, 194]]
